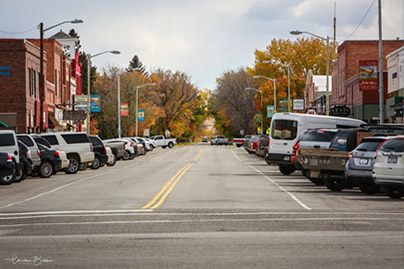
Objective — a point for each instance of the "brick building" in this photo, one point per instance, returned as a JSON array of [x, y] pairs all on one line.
[[315, 92], [395, 93], [19, 85], [364, 105]]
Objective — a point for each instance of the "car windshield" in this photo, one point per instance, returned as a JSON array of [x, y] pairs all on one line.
[[284, 129]]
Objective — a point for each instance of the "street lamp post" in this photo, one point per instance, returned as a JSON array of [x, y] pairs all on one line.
[[262, 104], [274, 80], [288, 68], [42, 76], [137, 94], [327, 39], [88, 59], [119, 101]]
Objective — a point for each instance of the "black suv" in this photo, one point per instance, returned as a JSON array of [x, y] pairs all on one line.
[[100, 152]]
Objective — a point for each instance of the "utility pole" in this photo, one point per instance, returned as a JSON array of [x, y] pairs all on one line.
[[381, 88]]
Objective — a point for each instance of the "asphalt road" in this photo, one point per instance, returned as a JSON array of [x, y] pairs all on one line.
[[197, 206]]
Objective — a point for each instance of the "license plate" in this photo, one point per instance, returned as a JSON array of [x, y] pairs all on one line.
[[363, 161], [392, 160], [286, 158], [313, 162]]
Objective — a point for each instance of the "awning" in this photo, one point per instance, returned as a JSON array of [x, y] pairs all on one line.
[[2, 124], [53, 122]]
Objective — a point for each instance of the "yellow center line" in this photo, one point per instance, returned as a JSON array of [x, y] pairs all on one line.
[[163, 193], [198, 155], [171, 188], [164, 188]]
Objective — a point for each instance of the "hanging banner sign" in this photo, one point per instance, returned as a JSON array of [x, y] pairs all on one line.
[[95, 103], [124, 110], [140, 115], [270, 111], [368, 80], [298, 104]]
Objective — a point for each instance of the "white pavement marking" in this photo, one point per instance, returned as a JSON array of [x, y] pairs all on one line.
[[283, 189], [236, 155], [56, 189], [14, 225]]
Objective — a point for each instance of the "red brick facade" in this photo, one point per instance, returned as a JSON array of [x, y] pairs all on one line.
[[345, 79]]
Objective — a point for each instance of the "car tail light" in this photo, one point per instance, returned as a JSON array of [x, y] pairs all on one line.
[[8, 157], [38, 152], [105, 150], [350, 155], [131, 145], [296, 148], [56, 153], [92, 149], [381, 144]]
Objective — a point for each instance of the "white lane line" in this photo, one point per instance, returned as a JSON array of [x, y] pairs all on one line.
[[56, 189], [14, 225], [283, 189], [236, 156]]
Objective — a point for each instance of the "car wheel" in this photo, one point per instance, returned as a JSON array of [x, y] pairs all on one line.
[[96, 163], [112, 163], [126, 156], [287, 169], [393, 191], [74, 165], [20, 175], [170, 145], [164, 147], [335, 184], [370, 188], [7, 180], [46, 169]]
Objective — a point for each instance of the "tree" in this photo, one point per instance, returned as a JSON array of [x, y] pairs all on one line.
[[232, 106], [73, 33], [134, 64], [93, 74]]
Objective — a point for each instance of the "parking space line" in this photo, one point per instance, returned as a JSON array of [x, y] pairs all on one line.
[[282, 188], [56, 189], [236, 155]]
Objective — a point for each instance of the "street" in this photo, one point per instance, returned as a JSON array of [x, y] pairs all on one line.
[[197, 206]]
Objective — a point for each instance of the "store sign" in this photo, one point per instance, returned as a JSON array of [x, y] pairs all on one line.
[[5, 71], [80, 102], [368, 80], [298, 104], [74, 115], [340, 111], [140, 115], [124, 110], [95, 103]]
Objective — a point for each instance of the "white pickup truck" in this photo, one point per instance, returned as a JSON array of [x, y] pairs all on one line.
[[164, 142]]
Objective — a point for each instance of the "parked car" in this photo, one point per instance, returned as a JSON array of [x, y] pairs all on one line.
[[50, 162], [140, 147], [286, 128], [388, 170], [9, 143], [360, 164], [128, 147], [219, 140], [27, 164], [238, 142], [7, 168], [145, 143], [111, 161], [33, 147], [153, 143], [262, 147], [204, 139], [100, 152], [253, 144], [117, 147], [77, 146], [164, 142], [63, 157]]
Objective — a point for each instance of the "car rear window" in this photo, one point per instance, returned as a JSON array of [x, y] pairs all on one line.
[[75, 138], [317, 135], [369, 145], [96, 141], [40, 140], [26, 140], [284, 129], [51, 139], [396, 145], [7, 140], [339, 141]]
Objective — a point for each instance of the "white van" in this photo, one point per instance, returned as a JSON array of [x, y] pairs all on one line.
[[286, 127]]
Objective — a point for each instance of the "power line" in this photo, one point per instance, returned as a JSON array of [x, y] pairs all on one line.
[[18, 33], [367, 12]]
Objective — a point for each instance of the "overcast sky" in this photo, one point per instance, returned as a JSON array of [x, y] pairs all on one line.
[[203, 38]]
